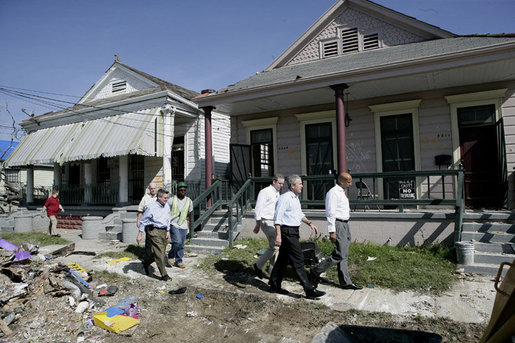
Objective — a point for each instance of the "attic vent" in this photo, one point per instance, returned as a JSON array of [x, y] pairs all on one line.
[[329, 49], [350, 40], [371, 41], [119, 86]]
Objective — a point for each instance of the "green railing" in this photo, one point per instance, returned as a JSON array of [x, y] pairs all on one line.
[[93, 194], [201, 209], [391, 190], [238, 206]]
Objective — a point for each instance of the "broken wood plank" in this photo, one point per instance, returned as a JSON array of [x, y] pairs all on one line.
[[64, 251]]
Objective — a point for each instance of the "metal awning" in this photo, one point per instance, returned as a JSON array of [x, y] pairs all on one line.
[[123, 134]]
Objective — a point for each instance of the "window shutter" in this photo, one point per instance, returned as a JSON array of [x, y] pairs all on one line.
[[350, 40], [329, 49], [371, 41]]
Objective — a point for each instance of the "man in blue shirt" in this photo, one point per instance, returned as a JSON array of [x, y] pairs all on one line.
[[156, 224], [287, 220]]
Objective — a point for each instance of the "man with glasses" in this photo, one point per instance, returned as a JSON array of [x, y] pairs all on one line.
[[155, 221]]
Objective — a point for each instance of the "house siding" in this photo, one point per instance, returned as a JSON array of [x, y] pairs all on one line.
[[389, 34], [435, 134]]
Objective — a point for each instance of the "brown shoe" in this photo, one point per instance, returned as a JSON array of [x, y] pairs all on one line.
[[180, 265]]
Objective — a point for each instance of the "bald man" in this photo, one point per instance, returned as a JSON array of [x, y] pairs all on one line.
[[145, 201], [337, 212]]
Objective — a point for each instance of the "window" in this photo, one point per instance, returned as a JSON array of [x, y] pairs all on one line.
[[13, 175], [350, 41], [119, 86], [261, 145]]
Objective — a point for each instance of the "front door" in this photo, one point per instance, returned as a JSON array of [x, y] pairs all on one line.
[[319, 158], [398, 154], [481, 156]]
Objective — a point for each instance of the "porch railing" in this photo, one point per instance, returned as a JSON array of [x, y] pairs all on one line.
[[97, 194], [201, 210], [390, 191]]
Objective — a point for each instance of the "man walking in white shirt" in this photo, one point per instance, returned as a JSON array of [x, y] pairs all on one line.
[[264, 214], [337, 211], [287, 220]]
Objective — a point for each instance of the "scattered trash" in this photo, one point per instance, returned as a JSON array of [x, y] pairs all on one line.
[[108, 291], [115, 318], [370, 258], [371, 285], [178, 291], [119, 260], [240, 246], [82, 306], [191, 314], [200, 296]]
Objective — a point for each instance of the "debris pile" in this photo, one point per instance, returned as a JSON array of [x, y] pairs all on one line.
[[43, 300]]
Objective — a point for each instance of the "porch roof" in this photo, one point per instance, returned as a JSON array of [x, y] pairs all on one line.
[[434, 64], [124, 134]]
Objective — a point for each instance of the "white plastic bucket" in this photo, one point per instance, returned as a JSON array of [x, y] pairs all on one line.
[[465, 252]]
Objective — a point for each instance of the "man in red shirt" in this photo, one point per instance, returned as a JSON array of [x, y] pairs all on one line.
[[52, 206]]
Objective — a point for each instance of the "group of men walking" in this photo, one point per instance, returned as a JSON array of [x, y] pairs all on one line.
[[280, 217], [161, 218]]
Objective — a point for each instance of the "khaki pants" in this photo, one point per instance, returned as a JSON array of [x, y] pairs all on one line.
[[52, 226], [158, 240], [270, 254]]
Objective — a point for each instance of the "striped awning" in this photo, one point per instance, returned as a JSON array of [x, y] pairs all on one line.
[[123, 134]]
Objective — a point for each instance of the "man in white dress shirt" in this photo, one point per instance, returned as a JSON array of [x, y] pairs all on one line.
[[264, 214], [337, 211], [287, 220]]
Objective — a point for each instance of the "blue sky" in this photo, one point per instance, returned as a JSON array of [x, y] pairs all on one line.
[[65, 46]]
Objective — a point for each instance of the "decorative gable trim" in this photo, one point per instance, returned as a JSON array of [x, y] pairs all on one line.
[[101, 83], [395, 18]]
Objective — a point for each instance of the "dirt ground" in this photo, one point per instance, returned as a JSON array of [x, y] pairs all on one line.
[[234, 307]]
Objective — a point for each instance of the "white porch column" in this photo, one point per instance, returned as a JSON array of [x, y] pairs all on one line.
[[57, 175], [123, 173], [168, 113], [88, 175], [30, 185]]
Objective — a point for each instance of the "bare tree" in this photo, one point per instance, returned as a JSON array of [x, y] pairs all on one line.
[[13, 193]]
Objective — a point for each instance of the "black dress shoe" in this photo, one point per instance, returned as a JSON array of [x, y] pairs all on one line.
[[351, 286], [314, 294], [279, 290], [166, 278], [259, 272]]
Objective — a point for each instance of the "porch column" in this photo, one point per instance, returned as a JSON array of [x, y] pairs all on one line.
[[340, 127], [30, 185], [168, 113], [123, 174], [57, 175], [88, 175], [208, 147]]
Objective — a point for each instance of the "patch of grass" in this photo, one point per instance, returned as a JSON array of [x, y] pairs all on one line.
[[425, 269], [39, 238], [132, 251], [229, 255]]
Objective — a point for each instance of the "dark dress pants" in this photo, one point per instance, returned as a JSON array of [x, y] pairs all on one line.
[[290, 251], [339, 256]]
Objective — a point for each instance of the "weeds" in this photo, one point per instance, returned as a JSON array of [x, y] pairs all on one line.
[[39, 238], [428, 268]]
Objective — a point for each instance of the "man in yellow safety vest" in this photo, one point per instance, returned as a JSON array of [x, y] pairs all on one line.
[[180, 220]]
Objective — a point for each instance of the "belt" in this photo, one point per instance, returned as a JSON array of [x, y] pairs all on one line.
[[341, 220], [289, 227], [152, 227]]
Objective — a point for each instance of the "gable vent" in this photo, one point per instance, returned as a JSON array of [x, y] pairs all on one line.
[[329, 49], [371, 41], [119, 86], [350, 40]]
